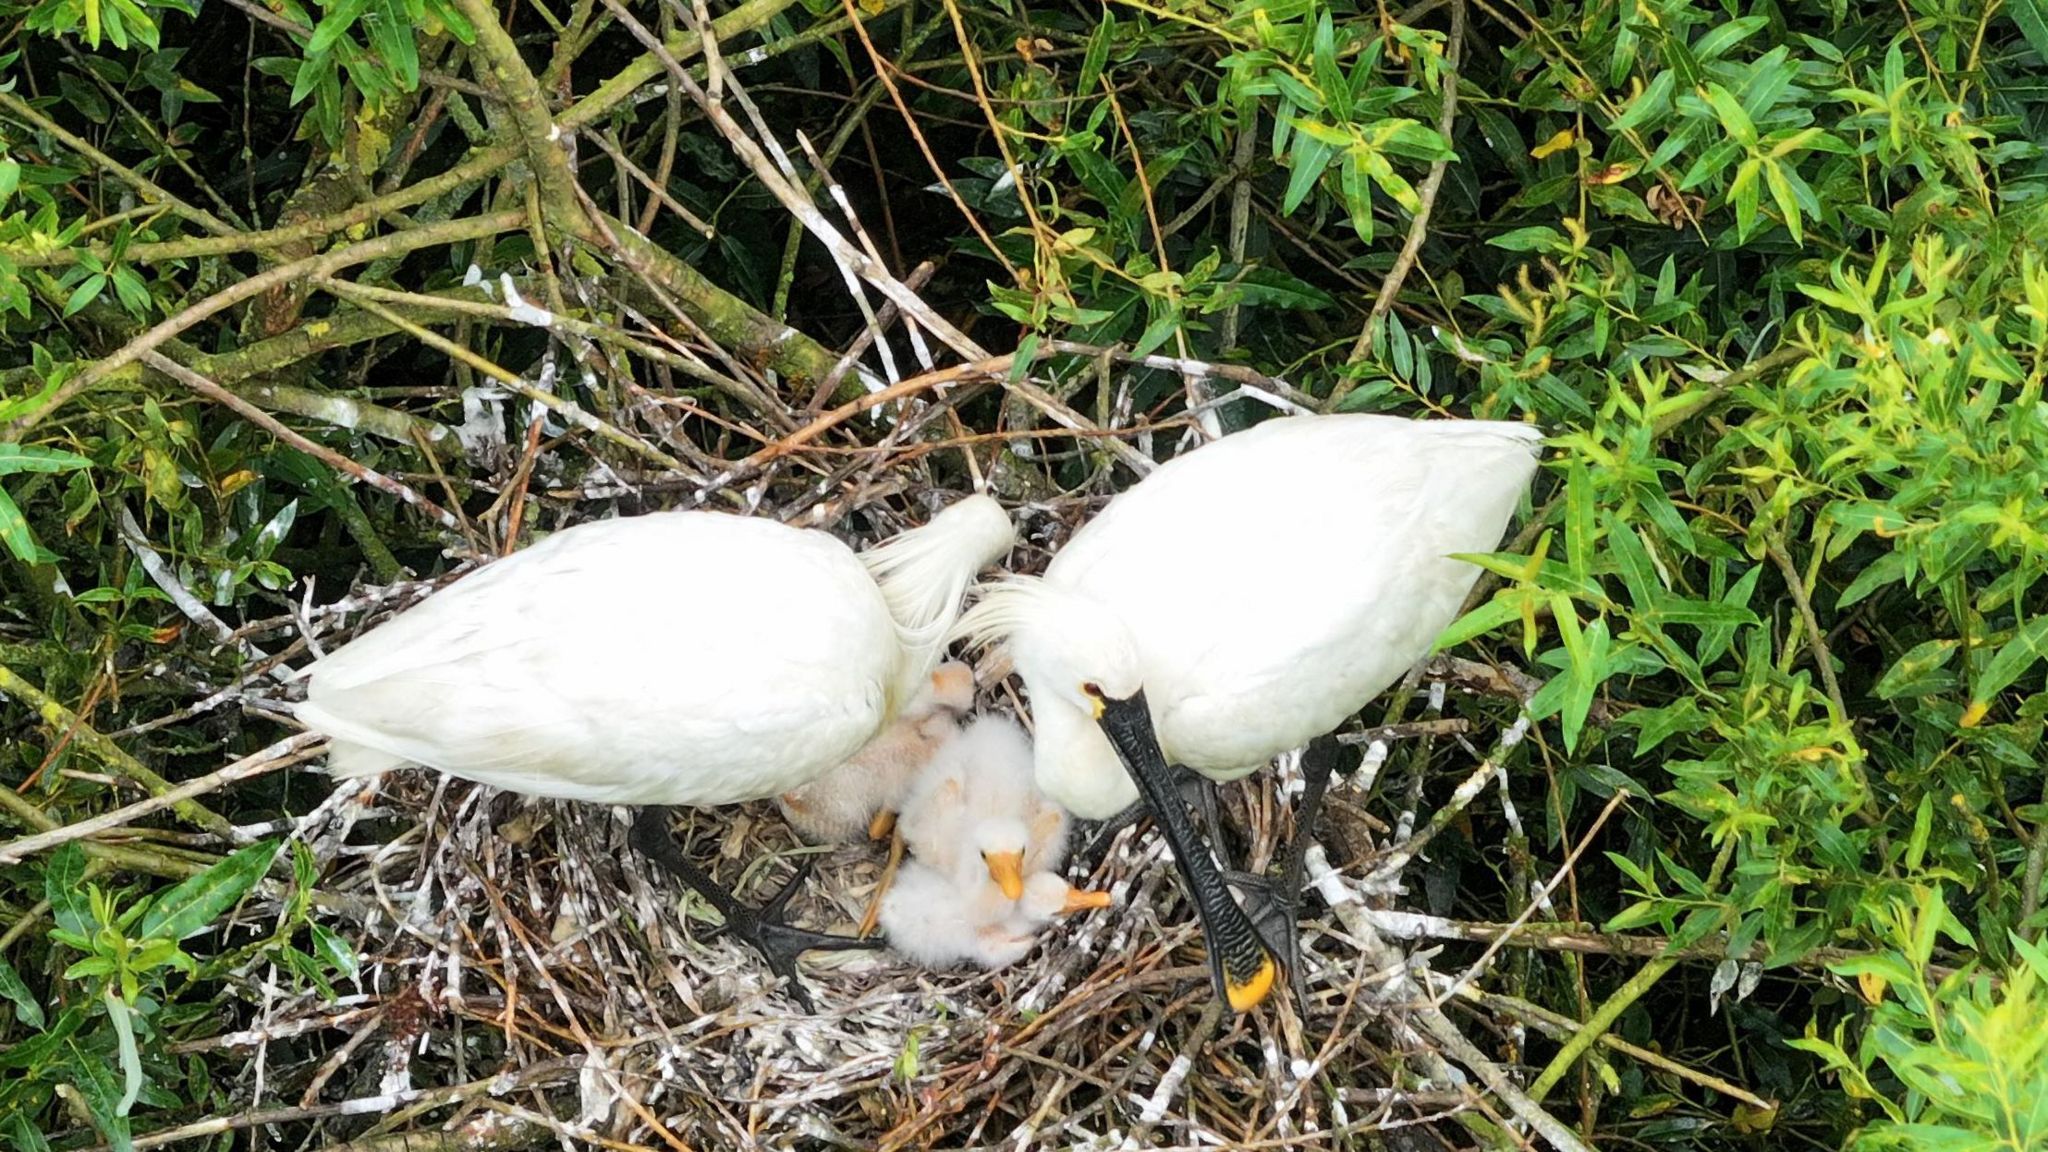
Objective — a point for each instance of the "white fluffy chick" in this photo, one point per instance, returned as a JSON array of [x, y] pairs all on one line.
[[857, 798], [940, 921], [978, 791]]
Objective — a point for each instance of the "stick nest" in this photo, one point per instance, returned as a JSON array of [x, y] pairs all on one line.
[[519, 962]]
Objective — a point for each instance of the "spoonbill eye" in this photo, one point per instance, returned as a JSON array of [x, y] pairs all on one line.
[[1092, 689]]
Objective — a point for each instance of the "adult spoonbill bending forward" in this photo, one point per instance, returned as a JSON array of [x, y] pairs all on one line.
[[1164, 630], [677, 658]]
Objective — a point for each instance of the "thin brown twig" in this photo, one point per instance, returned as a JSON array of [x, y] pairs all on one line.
[[425, 236], [885, 70], [277, 428], [283, 754]]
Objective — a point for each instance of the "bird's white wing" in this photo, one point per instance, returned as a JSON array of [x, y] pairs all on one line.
[[675, 659]]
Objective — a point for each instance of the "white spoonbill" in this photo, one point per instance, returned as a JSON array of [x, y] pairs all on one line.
[[1166, 630], [677, 658]]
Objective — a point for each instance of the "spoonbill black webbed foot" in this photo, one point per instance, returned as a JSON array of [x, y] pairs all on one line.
[[764, 928]]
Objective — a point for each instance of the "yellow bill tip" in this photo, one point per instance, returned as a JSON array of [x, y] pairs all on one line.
[[1247, 994]]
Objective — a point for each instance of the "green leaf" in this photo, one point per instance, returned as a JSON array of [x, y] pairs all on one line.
[[1923, 824], [1743, 194], [2032, 18], [84, 294], [1782, 195], [1026, 356], [15, 992], [1637, 915], [1264, 287], [191, 906], [1323, 65], [1534, 238], [1709, 164], [2014, 657], [333, 951], [1888, 569], [1356, 183], [1651, 104], [1478, 622], [1728, 109], [1097, 55], [334, 24], [1722, 37], [1310, 157], [1586, 677], [102, 1096], [35, 458], [1158, 332], [21, 1135], [64, 888], [1632, 559], [1578, 517], [14, 531], [1705, 613], [1656, 725], [1920, 672]]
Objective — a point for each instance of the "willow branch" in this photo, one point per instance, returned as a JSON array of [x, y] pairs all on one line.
[[291, 750], [477, 167], [428, 236], [321, 452], [1418, 228], [59, 718], [22, 110]]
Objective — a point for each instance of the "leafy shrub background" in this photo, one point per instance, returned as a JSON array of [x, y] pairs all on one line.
[[1771, 272]]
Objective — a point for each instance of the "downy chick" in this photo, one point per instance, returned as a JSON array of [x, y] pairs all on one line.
[[859, 797], [977, 791], [940, 921]]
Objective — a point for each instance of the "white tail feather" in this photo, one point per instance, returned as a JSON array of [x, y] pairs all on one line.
[[924, 572]]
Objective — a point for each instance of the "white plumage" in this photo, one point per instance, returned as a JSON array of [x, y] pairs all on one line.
[[987, 847], [933, 920], [940, 922], [676, 658], [1259, 589]]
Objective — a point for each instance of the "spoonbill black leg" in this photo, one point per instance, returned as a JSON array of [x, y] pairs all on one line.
[[764, 928], [1196, 789], [1106, 830], [1274, 902]]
